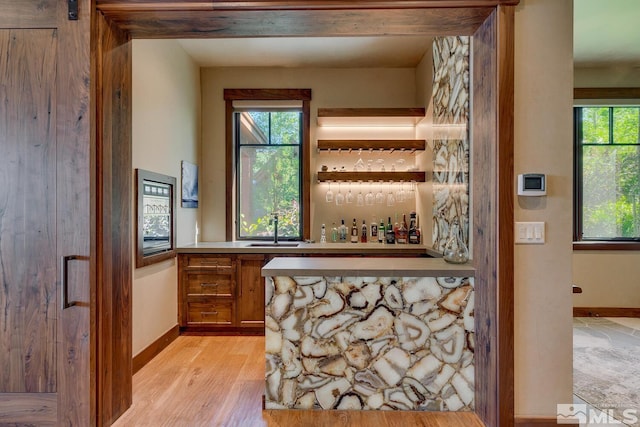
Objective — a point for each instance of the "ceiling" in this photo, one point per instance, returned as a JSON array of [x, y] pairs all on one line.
[[335, 52], [605, 32]]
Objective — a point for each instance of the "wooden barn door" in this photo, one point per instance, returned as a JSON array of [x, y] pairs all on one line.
[[46, 306]]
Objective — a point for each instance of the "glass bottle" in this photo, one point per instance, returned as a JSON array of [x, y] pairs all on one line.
[[343, 232], [334, 233], [364, 232], [455, 250], [323, 235], [413, 229], [381, 232], [354, 232]]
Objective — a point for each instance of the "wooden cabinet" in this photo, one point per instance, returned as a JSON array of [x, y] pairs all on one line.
[[221, 293], [250, 291]]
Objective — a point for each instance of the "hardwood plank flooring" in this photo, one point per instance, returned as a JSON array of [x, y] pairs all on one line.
[[219, 381]]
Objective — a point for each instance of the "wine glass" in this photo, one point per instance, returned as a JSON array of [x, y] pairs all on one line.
[[400, 194], [391, 199], [349, 197], [380, 195], [360, 198], [339, 196], [329, 194], [369, 198]]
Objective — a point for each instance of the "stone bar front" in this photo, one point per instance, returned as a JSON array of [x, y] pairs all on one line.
[[369, 333]]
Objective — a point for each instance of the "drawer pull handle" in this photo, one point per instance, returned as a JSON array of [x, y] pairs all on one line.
[[209, 285], [208, 313]]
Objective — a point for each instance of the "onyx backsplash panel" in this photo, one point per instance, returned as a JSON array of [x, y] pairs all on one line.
[[451, 76]]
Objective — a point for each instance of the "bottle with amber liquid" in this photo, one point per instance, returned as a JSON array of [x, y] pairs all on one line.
[[414, 239], [364, 232], [402, 231]]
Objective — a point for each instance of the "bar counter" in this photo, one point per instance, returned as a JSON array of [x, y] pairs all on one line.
[[369, 334]]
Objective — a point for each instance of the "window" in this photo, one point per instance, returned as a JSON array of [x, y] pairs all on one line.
[[268, 167], [607, 169]]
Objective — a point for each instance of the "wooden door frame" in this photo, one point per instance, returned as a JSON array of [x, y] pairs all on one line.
[[491, 22]]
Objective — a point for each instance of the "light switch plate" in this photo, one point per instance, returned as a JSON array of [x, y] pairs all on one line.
[[530, 233]]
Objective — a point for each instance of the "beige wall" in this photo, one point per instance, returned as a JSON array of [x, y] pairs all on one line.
[[424, 130], [330, 88], [607, 76], [607, 277], [166, 130], [543, 143]]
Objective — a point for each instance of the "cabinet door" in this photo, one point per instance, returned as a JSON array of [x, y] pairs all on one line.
[[250, 291]]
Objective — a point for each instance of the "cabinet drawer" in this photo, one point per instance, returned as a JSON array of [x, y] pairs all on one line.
[[224, 265], [209, 284], [210, 312]]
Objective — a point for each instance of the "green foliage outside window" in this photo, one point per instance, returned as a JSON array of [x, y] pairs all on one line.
[[269, 174], [610, 152]]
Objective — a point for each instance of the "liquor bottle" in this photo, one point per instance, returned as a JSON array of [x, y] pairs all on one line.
[[381, 234], [402, 231], [334, 233], [418, 231], [323, 235], [374, 229], [396, 227], [363, 233], [413, 229], [391, 236], [343, 233], [354, 232]]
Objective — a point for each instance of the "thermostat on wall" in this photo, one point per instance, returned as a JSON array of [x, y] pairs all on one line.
[[532, 184]]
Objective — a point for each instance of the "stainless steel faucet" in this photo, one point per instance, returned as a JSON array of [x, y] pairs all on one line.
[[275, 227]]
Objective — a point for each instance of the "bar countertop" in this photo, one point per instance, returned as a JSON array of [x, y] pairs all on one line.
[[253, 247], [366, 267]]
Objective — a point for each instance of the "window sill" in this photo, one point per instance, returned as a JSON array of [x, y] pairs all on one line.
[[606, 246]]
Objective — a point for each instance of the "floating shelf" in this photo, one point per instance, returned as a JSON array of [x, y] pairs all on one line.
[[370, 116], [415, 176], [391, 145]]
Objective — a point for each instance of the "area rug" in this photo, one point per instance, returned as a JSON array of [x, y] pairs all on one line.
[[606, 367]]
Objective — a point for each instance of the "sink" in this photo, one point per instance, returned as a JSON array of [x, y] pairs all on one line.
[[273, 245]]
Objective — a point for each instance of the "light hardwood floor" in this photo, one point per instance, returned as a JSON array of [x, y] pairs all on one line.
[[219, 381]]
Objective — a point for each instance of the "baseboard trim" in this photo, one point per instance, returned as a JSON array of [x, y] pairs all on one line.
[[153, 349], [539, 422], [606, 312]]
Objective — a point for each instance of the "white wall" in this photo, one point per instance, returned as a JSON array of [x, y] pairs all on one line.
[[543, 143], [607, 278], [166, 130], [394, 87]]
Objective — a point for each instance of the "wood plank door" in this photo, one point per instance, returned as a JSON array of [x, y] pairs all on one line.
[[47, 372]]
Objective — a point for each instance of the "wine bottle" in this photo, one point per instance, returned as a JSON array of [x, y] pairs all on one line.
[[343, 232], [381, 236], [418, 232], [354, 232], [391, 236], [364, 232]]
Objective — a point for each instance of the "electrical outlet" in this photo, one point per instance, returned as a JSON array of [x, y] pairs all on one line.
[[530, 233]]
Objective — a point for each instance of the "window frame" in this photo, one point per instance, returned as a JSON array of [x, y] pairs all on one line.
[[303, 95], [238, 146], [609, 97]]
